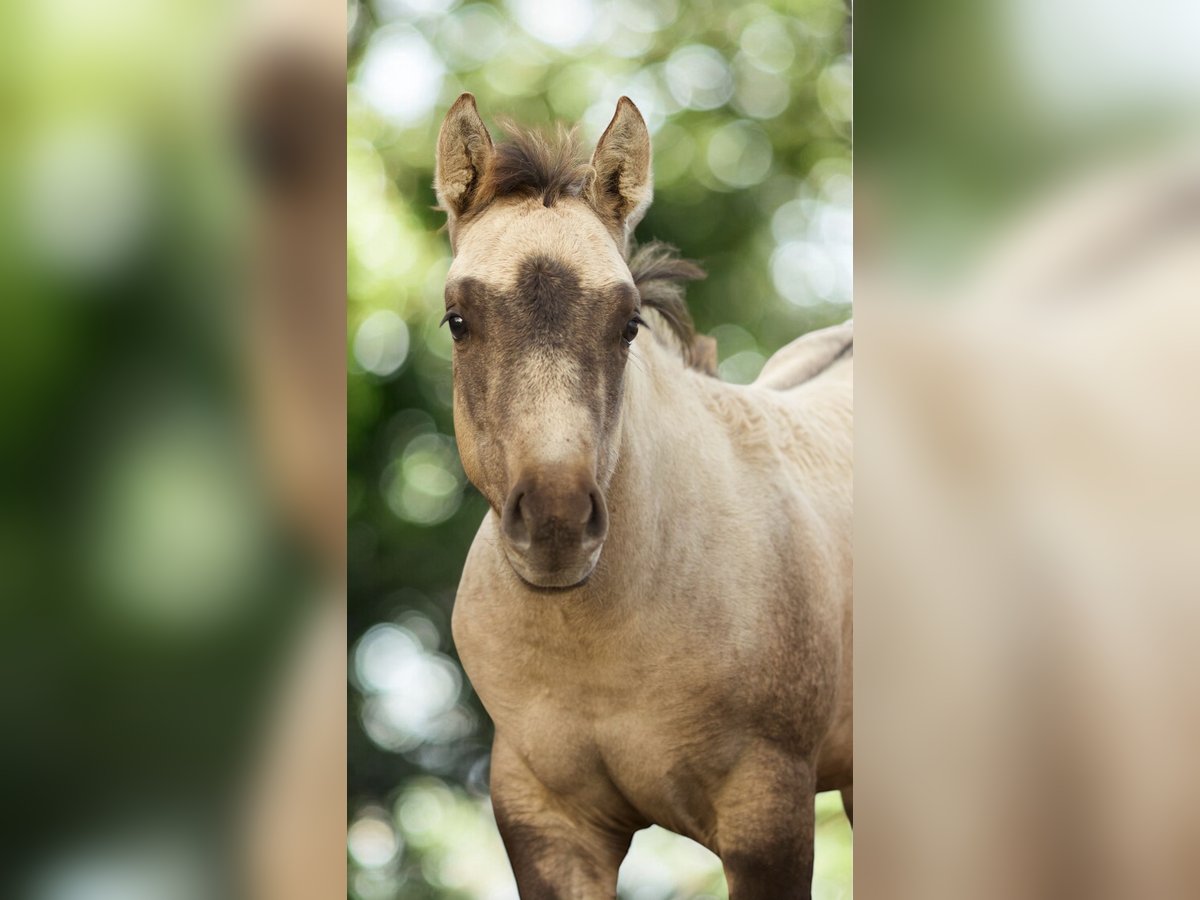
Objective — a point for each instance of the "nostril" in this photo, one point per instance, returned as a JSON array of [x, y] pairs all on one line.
[[514, 522], [597, 523]]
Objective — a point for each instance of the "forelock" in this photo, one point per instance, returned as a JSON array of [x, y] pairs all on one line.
[[530, 164]]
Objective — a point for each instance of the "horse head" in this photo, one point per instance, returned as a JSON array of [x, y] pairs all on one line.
[[543, 311]]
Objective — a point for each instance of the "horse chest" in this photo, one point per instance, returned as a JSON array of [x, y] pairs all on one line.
[[617, 734], [638, 759], [640, 720]]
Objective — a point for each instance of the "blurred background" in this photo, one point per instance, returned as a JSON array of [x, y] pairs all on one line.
[[1027, 274], [171, 529], [749, 106]]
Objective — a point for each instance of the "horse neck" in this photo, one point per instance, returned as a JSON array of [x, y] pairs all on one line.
[[661, 467]]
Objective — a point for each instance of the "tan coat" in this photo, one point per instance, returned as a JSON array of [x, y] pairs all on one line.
[[701, 678]]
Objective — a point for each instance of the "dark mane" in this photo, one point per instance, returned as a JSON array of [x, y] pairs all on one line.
[[660, 273], [529, 164]]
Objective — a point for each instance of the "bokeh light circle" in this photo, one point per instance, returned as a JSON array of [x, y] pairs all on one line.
[[381, 343], [699, 77], [739, 154]]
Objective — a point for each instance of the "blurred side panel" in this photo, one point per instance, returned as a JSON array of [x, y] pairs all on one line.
[[1027, 266], [172, 415]]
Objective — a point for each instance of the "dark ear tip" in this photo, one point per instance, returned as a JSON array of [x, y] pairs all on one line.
[[466, 98]]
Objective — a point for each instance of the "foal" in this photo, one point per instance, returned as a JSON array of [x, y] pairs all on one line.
[[656, 612]]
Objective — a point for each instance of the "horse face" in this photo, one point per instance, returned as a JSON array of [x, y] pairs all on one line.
[[543, 313]]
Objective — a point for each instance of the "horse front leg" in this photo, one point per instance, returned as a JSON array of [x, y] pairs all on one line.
[[765, 828], [555, 853]]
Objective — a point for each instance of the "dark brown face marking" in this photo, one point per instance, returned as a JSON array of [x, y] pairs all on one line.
[[549, 294], [548, 335], [547, 310]]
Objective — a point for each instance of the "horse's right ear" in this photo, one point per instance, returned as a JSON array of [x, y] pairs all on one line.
[[464, 155]]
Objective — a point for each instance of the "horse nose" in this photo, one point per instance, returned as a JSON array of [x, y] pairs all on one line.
[[558, 514]]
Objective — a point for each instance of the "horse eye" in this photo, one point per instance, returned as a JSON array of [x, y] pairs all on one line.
[[458, 327], [631, 329]]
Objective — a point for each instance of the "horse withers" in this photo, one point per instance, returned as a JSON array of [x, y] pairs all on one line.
[[656, 611]]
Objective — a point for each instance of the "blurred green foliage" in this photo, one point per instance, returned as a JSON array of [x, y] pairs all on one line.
[[147, 593], [749, 106], [970, 112]]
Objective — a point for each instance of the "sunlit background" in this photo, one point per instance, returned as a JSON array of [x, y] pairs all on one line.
[[749, 106]]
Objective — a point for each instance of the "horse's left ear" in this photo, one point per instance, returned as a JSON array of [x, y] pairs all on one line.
[[623, 186]]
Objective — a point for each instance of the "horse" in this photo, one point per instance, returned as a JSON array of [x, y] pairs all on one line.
[[656, 611]]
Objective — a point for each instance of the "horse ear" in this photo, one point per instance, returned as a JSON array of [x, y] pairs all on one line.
[[464, 155], [623, 186]]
